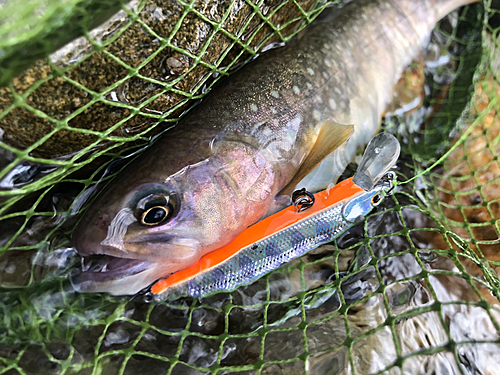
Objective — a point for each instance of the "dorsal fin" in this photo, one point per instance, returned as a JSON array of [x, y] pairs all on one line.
[[330, 137]]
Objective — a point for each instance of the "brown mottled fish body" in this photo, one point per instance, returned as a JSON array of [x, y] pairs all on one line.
[[229, 158]]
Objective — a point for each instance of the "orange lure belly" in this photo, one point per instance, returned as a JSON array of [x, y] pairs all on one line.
[[256, 233]]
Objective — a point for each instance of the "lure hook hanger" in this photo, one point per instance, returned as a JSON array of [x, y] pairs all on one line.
[[302, 200], [389, 178]]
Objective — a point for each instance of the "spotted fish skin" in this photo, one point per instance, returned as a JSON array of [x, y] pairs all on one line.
[[229, 158]]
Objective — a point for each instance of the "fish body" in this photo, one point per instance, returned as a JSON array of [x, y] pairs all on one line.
[[284, 236], [226, 163]]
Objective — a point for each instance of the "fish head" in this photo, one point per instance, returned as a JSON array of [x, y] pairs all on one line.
[[128, 239]]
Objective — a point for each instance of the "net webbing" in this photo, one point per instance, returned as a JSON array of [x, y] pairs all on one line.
[[413, 289]]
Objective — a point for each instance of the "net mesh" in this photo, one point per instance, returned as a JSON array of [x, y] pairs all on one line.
[[413, 289]]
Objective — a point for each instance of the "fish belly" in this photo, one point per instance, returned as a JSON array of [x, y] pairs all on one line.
[[231, 156], [342, 69]]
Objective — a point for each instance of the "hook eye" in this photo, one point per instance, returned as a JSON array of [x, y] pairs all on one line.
[[391, 190], [302, 200], [389, 178]]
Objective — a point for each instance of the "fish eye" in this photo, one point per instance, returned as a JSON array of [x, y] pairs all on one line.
[[376, 199], [155, 215], [155, 209]]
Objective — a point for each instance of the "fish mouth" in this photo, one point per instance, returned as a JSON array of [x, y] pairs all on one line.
[[111, 266], [114, 275], [126, 264]]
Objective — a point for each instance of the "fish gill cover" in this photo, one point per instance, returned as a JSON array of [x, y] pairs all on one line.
[[413, 289]]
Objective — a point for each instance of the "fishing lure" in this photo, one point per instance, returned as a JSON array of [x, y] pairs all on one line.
[[311, 221]]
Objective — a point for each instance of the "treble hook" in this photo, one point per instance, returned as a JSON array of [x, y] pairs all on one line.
[[302, 199]]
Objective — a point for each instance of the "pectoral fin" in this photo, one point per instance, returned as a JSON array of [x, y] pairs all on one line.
[[331, 136]]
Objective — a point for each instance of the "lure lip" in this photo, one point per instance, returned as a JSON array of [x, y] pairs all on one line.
[[379, 157]]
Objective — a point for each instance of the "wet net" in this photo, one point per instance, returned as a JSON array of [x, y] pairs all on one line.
[[413, 289]]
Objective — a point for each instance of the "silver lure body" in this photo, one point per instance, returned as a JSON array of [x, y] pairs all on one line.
[[264, 256]]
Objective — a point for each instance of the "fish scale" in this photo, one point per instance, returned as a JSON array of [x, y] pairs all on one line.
[[318, 76]]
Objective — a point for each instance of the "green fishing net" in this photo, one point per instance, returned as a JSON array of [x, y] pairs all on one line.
[[413, 289]]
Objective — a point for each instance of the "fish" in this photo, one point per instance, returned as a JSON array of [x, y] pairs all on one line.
[[280, 121], [281, 237]]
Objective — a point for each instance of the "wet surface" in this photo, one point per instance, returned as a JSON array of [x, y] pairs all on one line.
[[468, 186], [306, 329]]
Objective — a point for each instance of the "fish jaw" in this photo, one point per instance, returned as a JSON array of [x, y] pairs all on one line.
[[117, 276], [266, 102], [117, 250]]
